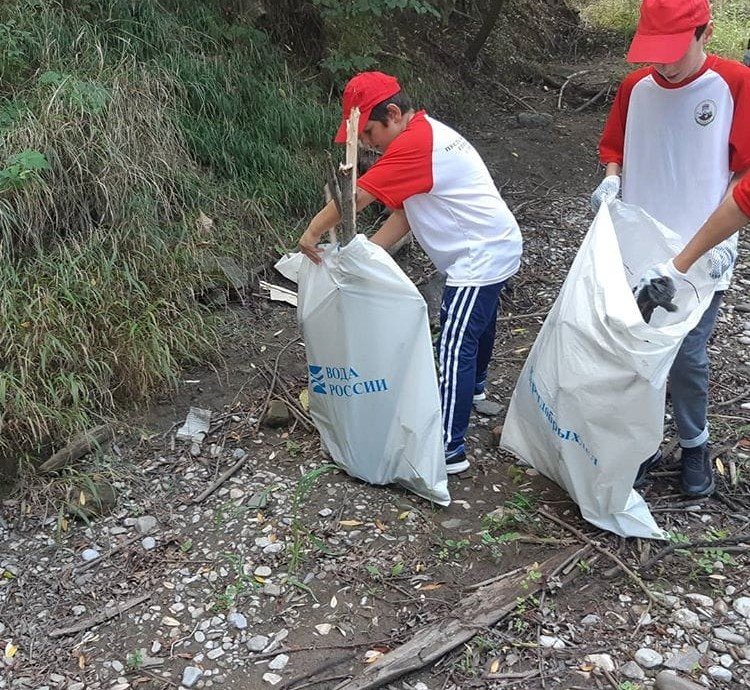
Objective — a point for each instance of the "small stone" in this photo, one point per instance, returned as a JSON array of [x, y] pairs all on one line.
[[117, 666], [257, 643], [590, 619], [325, 512], [90, 555], [720, 673], [742, 606], [215, 653], [323, 628], [279, 662], [272, 678], [238, 453], [686, 618], [262, 571], [148, 543], [453, 523], [669, 680], [726, 661], [685, 660], [277, 415], [701, 600], [601, 661], [258, 501], [271, 590], [274, 547], [190, 676], [551, 642], [648, 658], [632, 670], [170, 622], [728, 636], [200, 636], [237, 621], [235, 494], [145, 524], [533, 120]]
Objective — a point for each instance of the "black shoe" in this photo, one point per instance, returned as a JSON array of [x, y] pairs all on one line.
[[697, 476], [458, 463], [646, 466]]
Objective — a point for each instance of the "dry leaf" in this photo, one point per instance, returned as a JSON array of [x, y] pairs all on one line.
[[334, 602], [429, 587], [259, 579], [323, 628], [495, 666], [203, 223], [81, 661], [304, 399], [82, 498], [404, 515], [420, 567], [381, 525], [720, 466], [372, 655], [10, 650], [350, 523]]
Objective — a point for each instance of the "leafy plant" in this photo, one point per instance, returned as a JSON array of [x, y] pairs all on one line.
[[22, 168]]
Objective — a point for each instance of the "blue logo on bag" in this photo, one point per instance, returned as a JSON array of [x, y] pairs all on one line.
[[316, 380], [342, 382]]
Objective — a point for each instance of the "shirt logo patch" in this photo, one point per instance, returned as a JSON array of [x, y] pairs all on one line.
[[705, 113]]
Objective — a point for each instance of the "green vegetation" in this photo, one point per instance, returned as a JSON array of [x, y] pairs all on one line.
[[141, 141], [731, 21]]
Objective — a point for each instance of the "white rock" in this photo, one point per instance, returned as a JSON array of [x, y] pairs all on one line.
[[262, 571], [590, 619], [117, 666], [279, 662], [632, 670], [190, 676], [272, 678], [601, 661], [148, 543], [686, 618], [145, 524], [215, 653], [728, 636], [742, 606], [701, 600], [275, 547], [726, 660], [170, 622], [720, 673], [237, 621], [200, 636], [257, 643], [551, 642], [323, 628], [90, 555], [648, 658]]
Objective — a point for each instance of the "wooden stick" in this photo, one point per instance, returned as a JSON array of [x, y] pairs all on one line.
[[85, 443], [216, 484], [348, 180], [475, 613], [90, 564], [565, 84], [697, 545], [605, 552], [101, 617]]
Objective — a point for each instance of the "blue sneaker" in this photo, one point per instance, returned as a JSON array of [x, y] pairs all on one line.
[[697, 476]]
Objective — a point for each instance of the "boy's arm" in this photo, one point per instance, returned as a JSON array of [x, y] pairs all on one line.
[[392, 230], [325, 219]]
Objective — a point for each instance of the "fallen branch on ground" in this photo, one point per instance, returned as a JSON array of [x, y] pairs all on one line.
[[80, 445], [478, 611], [222, 478], [101, 617], [694, 545]]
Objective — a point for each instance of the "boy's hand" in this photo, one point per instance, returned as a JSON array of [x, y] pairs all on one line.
[[308, 245], [656, 289], [607, 191]]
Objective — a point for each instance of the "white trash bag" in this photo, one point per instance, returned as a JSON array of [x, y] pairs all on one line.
[[588, 407], [373, 386]]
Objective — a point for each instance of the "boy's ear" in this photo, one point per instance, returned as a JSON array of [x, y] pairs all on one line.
[[394, 112], [708, 33]]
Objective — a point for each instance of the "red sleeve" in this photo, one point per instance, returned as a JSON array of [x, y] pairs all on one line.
[[612, 143], [405, 169], [737, 76], [741, 193]]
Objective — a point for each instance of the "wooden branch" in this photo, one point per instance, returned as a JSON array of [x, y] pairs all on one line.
[[228, 473], [605, 552], [475, 613], [594, 98], [85, 443], [348, 180], [101, 617], [694, 545], [565, 85]]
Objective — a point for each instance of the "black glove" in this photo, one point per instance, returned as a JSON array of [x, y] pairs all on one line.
[[657, 292]]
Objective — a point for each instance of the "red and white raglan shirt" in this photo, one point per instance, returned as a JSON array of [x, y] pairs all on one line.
[[680, 144], [453, 207], [741, 194]]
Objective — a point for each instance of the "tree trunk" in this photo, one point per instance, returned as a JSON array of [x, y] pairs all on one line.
[[488, 24]]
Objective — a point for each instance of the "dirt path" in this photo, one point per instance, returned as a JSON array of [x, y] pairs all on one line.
[[292, 574]]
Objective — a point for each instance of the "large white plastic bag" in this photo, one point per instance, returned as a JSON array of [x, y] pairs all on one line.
[[373, 387], [588, 407]]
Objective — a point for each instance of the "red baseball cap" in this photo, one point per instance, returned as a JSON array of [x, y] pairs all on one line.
[[665, 29], [365, 91]]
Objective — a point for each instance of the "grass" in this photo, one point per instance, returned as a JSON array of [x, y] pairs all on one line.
[[141, 141], [731, 21]]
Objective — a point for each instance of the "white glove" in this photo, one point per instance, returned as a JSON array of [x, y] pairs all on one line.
[[607, 191], [721, 259]]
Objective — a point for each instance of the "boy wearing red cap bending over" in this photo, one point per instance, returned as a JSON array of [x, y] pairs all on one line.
[[677, 140], [437, 186]]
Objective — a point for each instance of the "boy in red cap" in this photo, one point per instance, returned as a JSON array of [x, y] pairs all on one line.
[[677, 140], [437, 186]]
